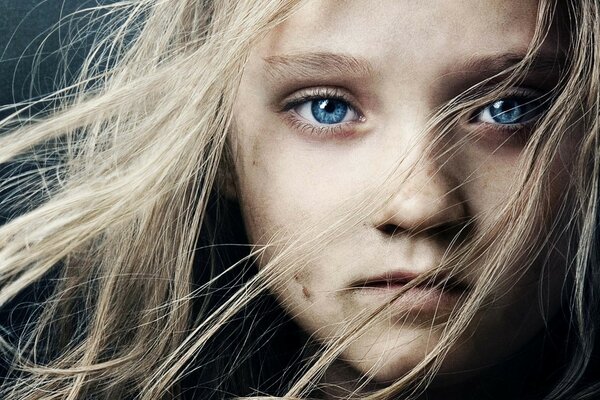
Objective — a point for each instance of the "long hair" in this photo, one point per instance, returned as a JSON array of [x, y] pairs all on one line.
[[139, 278]]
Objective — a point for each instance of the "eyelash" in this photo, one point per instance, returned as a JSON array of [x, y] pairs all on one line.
[[346, 128]]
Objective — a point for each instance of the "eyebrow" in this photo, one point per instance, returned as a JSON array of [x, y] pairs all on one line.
[[490, 65], [310, 64], [305, 65]]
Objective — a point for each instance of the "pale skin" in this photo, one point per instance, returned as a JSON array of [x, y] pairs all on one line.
[[393, 63]]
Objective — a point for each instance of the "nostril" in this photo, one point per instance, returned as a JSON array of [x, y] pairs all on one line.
[[456, 232], [452, 232], [390, 229]]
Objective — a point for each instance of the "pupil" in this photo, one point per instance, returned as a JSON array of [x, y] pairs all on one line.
[[328, 106]]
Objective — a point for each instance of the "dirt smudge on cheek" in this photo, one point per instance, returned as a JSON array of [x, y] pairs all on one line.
[[302, 279], [306, 292]]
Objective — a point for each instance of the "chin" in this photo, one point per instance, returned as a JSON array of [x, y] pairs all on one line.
[[386, 361], [390, 360]]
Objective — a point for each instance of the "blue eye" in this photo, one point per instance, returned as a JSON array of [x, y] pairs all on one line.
[[510, 111], [327, 111]]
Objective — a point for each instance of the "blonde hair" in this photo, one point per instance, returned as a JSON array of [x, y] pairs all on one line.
[[124, 228]]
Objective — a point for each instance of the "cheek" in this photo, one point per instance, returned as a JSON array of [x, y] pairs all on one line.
[[529, 292], [487, 177], [290, 187], [491, 179], [282, 202]]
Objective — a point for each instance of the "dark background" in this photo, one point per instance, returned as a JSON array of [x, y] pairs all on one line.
[[35, 61], [42, 46], [33, 58]]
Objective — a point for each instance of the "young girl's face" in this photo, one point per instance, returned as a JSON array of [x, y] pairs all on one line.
[[329, 102]]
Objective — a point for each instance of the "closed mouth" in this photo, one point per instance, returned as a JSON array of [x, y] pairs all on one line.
[[431, 297], [397, 280]]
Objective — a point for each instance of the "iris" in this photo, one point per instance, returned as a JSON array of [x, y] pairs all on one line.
[[511, 111], [329, 111]]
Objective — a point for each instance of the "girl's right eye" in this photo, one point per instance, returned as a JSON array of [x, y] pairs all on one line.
[[326, 111]]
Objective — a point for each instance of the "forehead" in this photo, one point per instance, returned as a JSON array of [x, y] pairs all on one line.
[[394, 34]]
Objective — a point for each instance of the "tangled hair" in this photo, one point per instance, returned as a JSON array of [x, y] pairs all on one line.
[[138, 278]]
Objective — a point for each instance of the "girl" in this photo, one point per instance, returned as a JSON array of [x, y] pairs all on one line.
[[319, 199]]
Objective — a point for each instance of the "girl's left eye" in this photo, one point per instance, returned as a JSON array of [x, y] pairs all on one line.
[[326, 111], [511, 111]]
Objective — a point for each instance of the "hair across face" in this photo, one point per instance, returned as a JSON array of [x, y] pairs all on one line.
[[417, 183], [333, 115]]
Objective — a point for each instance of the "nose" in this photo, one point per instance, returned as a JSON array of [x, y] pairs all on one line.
[[426, 201]]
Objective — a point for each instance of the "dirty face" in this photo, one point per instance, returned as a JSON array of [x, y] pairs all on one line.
[[328, 104]]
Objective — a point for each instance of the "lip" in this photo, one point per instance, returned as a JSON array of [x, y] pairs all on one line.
[[433, 296]]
